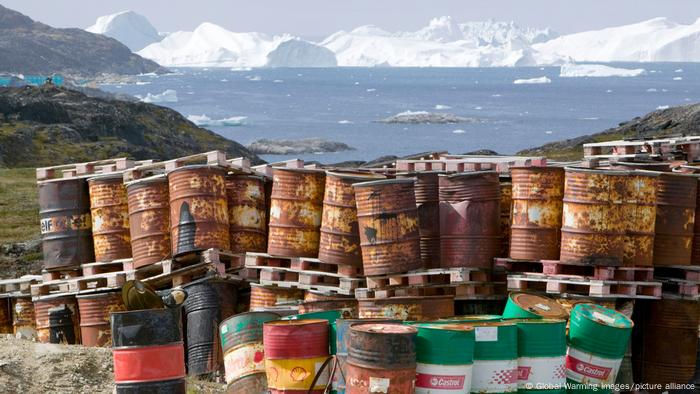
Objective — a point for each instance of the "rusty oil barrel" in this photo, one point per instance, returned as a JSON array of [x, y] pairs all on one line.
[[61, 328], [311, 295], [5, 316], [388, 220], [340, 235], [470, 234], [66, 226], [94, 317], [296, 208], [506, 208], [381, 358], [675, 218], [593, 225], [149, 219], [23, 321], [265, 297], [347, 305], [110, 218], [639, 211], [198, 209], [695, 254], [250, 384], [537, 212], [242, 343], [426, 190], [42, 316], [402, 308], [436, 307], [294, 352], [665, 341], [246, 213], [148, 353], [208, 303]]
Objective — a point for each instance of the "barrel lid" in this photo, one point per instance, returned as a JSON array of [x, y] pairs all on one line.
[[677, 174], [237, 175], [538, 305], [417, 173], [330, 316], [103, 294], [544, 320], [384, 328], [501, 323], [299, 170], [470, 318], [384, 182], [538, 168], [470, 174], [596, 171], [198, 166], [444, 344], [107, 177], [603, 316], [352, 175], [296, 322], [159, 178]]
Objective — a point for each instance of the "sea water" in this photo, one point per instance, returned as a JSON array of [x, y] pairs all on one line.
[[344, 104]]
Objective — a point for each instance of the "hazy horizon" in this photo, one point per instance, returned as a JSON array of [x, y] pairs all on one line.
[[316, 18]]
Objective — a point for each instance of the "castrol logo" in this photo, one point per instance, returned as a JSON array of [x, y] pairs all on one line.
[[452, 382], [587, 369]]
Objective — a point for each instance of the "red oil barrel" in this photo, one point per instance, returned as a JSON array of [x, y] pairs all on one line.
[[42, 316], [506, 213], [149, 218], [428, 205], [94, 317], [294, 352], [148, 352], [675, 218], [381, 358], [110, 218], [246, 213]]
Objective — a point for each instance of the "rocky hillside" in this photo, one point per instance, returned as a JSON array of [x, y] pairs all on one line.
[[41, 126], [682, 120], [31, 47]]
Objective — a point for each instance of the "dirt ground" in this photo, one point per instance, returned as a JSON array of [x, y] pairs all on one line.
[[31, 367]]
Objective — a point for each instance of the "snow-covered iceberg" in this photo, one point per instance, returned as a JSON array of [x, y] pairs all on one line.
[[413, 117], [597, 70], [532, 81], [168, 96], [127, 27]]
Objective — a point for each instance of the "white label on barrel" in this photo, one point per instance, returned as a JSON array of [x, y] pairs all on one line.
[[443, 379], [604, 318], [486, 334], [495, 376], [378, 385], [244, 360], [583, 367], [539, 373], [224, 329], [542, 307]]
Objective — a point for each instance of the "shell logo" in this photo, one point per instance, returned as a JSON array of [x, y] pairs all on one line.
[[258, 357], [272, 375], [298, 374]]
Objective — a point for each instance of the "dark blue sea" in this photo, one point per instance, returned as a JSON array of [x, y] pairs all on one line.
[[343, 104]]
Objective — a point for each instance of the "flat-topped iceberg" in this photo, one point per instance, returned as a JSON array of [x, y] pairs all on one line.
[[426, 117], [597, 70]]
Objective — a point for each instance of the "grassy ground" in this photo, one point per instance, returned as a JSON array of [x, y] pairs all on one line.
[[19, 207]]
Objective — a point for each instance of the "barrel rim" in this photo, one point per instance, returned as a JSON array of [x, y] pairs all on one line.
[[478, 317], [103, 294], [367, 328], [679, 174], [547, 320], [77, 178], [538, 168], [468, 174], [235, 175], [416, 173], [107, 177], [445, 327], [214, 167], [294, 322], [495, 323], [137, 183], [299, 170], [382, 182], [351, 175], [596, 171]]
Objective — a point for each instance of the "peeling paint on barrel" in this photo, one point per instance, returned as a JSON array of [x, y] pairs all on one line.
[[149, 218], [402, 308], [639, 212], [428, 204], [264, 297], [110, 218], [247, 213], [537, 212], [23, 319], [198, 209], [388, 220], [675, 218], [295, 212]]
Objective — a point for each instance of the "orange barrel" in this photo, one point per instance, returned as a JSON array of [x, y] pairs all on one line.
[[436, 307], [340, 236], [639, 211], [470, 232], [246, 213], [148, 353], [675, 218], [381, 358], [94, 317], [149, 216], [5, 316], [43, 317], [23, 321], [265, 297], [198, 209], [294, 353], [388, 220], [428, 205], [537, 211], [593, 226], [506, 213], [296, 208], [110, 217], [665, 341], [401, 308], [66, 227]]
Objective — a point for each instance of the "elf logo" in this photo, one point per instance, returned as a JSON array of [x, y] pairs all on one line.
[[587, 369]]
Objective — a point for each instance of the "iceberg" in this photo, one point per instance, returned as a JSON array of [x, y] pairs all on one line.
[[532, 81], [127, 27], [597, 70], [204, 120], [168, 96], [300, 53], [408, 117]]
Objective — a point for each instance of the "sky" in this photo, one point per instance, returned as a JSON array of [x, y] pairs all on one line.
[[319, 18]]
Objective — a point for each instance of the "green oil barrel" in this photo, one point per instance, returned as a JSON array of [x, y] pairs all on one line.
[[541, 356], [444, 356], [598, 339], [467, 319], [532, 306]]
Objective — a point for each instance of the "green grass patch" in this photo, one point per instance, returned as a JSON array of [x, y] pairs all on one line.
[[19, 205]]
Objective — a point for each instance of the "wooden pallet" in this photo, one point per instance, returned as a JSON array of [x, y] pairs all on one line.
[[61, 274], [311, 265], [464, 291], [436, 276], [579, 285], [680, 288], [212, 158], [686, 272], [102, 268], [230, 261], [346, 286], [80, 285], [664, 147], [90, 168], [555, 267], [19, 286]]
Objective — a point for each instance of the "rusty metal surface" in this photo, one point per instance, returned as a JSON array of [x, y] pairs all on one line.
[[695, 254], [265, 297], [436, 307], [198, 209], [295, 212], [593, 225], [382, 345], [665, 343], [347, 305], [94, 317], [251, 384], [426, 186], [537, 212], [110, 218], [388, 221], [23, 322], [402, 308], [340, 236], [247, 213], [470, 231], [400, 381], [149, 219], [639, 213], [41, 316], [5, 316], [317, 296], [289, 339], [506, 207], [66, 226], [675, 218]]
